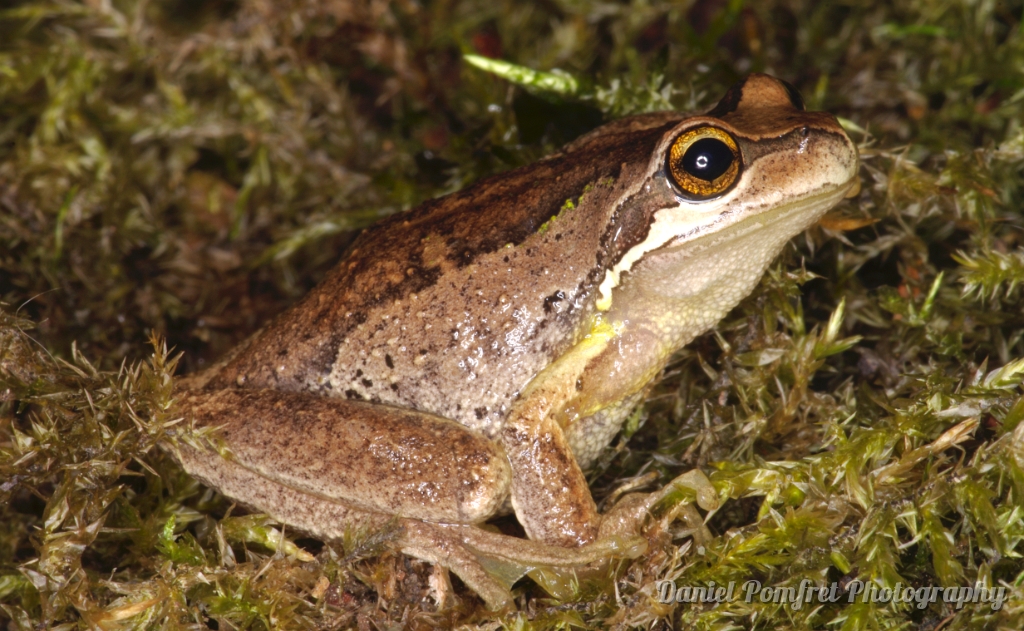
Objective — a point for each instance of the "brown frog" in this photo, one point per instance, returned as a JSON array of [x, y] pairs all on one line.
[[484, 347]]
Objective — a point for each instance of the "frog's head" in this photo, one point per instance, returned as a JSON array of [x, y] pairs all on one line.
[[758, 148], [732, 187]]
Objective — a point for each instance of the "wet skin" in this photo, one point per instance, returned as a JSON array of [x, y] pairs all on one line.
[[482, 349]]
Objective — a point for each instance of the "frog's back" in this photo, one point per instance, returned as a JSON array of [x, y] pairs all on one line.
[[453, 307]]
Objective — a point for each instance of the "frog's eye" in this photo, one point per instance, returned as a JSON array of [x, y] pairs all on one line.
[[704, 162]]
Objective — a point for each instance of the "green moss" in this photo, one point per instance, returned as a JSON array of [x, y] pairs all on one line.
[[190, 173], [544, 227]]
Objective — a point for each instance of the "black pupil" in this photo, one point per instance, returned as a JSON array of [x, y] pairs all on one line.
[[707, 159]]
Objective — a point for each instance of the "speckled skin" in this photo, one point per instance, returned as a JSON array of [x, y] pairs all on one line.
[[486, 345], [452, 309]]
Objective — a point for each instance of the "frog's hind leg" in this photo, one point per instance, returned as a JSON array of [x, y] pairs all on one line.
[[490, 563], [375, 458], [329, 520], [280, 453]]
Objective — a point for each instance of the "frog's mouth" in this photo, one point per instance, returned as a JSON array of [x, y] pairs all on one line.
[[735, 249], [789, 219]]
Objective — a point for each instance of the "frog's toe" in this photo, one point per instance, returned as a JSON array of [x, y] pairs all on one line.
[[692, 484], [657, 510], [445, 547]]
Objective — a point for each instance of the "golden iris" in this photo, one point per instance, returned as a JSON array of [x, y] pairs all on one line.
[[704, 162]]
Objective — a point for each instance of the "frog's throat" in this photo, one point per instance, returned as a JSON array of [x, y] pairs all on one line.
[[668, 238]]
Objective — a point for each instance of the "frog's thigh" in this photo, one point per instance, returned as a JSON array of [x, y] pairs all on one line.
[[329, 520], [371, 457], [324, 519]]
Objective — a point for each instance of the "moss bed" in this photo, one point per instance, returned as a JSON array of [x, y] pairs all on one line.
[[175, 172]]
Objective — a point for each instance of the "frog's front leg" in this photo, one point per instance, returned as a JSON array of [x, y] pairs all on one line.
[[550, 496], [553, 419]]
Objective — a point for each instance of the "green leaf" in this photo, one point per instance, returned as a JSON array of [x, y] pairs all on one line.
[[555, 82]]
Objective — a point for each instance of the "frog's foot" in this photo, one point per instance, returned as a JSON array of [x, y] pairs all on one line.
[[490, 563], [655, 511], [560, 571], [636, 514]]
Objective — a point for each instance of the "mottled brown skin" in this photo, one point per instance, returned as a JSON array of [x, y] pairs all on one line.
[[362, 333], [385, 459], [482, 347]]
